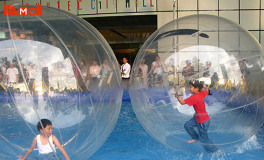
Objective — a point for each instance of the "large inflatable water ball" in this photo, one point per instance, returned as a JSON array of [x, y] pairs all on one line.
[[213, 51], [56, 66]]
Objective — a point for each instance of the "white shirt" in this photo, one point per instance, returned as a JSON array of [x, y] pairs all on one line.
[[105, 69], [157, 70], [126, 69], [144, 69], [95, 71], [12, 74], [45, 149], [31, 72]]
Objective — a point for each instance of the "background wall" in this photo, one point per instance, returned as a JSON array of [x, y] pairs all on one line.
[[248, 13]]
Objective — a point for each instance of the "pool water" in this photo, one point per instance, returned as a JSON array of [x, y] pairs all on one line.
[[129, 141]]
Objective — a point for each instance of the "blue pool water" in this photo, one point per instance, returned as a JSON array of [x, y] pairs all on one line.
[[129, 141]]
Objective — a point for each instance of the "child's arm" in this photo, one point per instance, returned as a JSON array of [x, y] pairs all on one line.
[[182, 102], [34, 142], [206, 88], [56, 141]]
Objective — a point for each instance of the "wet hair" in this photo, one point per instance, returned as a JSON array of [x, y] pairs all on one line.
[[197, 84], [44, 122]]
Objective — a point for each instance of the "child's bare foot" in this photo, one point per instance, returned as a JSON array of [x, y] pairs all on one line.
[[192, 140], [219, 150]]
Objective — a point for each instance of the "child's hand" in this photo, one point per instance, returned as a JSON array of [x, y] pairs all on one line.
[[176, 95], [205, 86], [20, 157]]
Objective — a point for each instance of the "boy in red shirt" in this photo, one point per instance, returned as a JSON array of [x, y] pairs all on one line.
[[201, 119]]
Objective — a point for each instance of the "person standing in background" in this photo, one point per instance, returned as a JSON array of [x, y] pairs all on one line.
[[83, 69], [188, 72], [125, 69], [105, 74], [25, 72], [12, 74], [144, 69], [157, 68], [125, 73], [95, 70]]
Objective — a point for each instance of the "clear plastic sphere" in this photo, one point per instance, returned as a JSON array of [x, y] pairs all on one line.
[[227, 58], [58, 67]]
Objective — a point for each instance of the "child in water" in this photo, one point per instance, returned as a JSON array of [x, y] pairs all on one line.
[[201, 120], [46, 147]]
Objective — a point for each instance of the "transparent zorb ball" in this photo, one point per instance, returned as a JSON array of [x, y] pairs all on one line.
[[59, 67], [212, 50]]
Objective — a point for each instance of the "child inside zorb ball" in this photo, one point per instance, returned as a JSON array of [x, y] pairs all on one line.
[[201, 119]]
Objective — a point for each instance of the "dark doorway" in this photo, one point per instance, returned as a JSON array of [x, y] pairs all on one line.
[[125, 34]]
